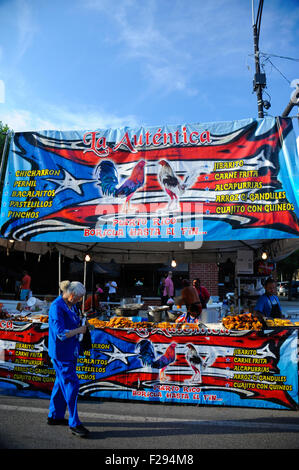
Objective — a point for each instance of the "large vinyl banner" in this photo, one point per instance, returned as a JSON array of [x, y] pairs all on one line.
[[216, 181], [194, 366]]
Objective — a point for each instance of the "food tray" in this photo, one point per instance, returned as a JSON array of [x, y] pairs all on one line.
[[128, 310]]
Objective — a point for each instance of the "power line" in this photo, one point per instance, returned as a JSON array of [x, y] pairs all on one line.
[[276, 68], [279, 56]]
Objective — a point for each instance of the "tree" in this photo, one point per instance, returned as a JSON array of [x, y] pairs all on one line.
[[3, 130]]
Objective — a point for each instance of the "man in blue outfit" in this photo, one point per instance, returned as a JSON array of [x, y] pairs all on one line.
[[268, 304], [64, 331]]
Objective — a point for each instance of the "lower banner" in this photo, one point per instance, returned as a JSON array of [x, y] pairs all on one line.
[[187, 366]]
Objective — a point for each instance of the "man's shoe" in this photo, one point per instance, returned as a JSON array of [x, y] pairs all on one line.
[[79, 431], [61, 421]]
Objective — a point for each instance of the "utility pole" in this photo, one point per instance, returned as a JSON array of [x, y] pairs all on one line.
[[259, 81]]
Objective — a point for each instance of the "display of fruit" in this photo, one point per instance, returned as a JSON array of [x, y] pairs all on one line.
[[243, 321]]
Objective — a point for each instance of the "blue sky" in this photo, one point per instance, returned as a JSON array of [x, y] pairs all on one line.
[[87, 64]]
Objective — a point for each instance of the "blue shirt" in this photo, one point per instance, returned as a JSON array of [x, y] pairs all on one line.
[[61, 320], [265, 302]]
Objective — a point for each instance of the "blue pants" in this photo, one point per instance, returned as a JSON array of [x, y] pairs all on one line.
[[24, 293], [65, 392]]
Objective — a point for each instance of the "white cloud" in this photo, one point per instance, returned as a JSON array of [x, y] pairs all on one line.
[[26, 27], [62, 119], [142, 37], [180, 43]]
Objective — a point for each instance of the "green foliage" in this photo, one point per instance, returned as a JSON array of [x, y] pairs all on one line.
[[3, 130]]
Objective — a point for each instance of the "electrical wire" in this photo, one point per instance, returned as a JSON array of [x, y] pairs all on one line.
[[259, 18], [279, 56], [276, 68]]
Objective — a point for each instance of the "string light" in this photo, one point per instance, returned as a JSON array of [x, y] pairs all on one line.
[[173, 262]]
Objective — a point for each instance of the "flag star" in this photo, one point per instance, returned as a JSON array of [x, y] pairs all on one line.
[[68, 182], [118, 354]]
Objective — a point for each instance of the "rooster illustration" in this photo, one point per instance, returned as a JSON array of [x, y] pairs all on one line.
[[172, 185], [197, 362], [147, 355], [107, 175]]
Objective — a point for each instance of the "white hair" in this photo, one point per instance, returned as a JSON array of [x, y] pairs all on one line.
[[64, 285], [75, 287]]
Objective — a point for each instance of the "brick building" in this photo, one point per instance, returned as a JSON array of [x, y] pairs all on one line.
[[208, 274]]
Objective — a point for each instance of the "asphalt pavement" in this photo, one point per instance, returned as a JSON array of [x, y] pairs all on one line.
[[124, 427]]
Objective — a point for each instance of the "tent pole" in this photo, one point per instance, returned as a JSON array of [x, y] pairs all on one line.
[[84, 282], [92, 287]]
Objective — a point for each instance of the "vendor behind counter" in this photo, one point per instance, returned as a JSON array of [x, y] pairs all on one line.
[[189, 295], [268, 304], [93, 302]]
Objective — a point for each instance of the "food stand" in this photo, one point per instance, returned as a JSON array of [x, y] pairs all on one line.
[[201, 364], [235, 182]]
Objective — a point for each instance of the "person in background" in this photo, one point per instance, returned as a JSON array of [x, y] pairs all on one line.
[[191, 316], [268, 304], [17, 289], [95, 302], [203, 293], [25, 286], [99, 291], [189, 295], [168, 290], [112, 286], [161, 289], [63, 349]]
